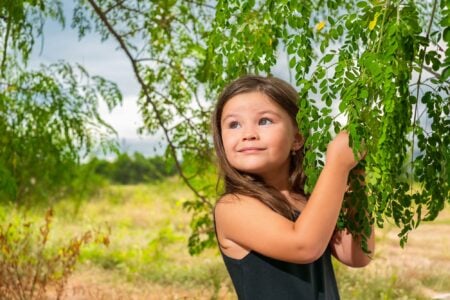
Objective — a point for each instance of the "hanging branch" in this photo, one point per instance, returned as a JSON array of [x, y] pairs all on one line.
[[418, 89], [148, 100]]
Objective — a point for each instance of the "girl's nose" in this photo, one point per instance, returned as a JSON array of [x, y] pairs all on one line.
[[250, 136]]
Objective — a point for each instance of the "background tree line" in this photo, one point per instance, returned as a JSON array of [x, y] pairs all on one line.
[[137, 168]]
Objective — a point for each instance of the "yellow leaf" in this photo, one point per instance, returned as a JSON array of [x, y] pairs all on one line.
[[11, 88], [373, 23], [320, 25]]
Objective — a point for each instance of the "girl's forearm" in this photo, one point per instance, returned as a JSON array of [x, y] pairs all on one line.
[[318, 219]]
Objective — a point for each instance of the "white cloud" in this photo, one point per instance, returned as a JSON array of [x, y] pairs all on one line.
[[124, 118]]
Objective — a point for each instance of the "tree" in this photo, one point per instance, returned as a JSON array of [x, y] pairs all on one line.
[[48, 117], [384, 65]]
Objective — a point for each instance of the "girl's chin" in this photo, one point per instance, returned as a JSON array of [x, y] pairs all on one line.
[[251, 171]]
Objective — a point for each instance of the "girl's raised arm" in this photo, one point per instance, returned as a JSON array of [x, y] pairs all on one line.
[[247, 223]]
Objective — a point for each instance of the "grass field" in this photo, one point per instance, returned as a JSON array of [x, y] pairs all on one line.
[[147, 257]]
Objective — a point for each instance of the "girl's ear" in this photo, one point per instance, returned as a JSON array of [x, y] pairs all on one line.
[[299, 140]]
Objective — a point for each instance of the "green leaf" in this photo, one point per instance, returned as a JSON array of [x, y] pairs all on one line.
[[327, 58], [361, 4]]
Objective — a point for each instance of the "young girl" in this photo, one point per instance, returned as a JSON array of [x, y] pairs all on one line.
[[275, 240]]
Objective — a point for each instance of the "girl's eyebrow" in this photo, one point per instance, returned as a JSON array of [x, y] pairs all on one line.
[[258, 112], [269, 112], [228, 116], [263, 112]]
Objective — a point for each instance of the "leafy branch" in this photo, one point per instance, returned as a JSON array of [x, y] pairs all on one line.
[[421, 68], [148, 99]]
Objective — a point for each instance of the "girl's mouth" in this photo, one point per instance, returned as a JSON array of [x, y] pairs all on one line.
[[250, 149]]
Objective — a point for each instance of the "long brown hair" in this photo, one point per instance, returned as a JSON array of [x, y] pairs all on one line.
[[237, 182]]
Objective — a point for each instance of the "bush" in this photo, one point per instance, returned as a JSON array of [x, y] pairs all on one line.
[[29, 267]]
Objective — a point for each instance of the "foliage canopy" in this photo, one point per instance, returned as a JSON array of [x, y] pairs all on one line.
[[48, 116], [379, 69]]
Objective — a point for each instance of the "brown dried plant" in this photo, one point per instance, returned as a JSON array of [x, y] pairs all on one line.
[[29, 267]]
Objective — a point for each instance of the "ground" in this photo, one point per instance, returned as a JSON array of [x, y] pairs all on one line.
[[422, 267]]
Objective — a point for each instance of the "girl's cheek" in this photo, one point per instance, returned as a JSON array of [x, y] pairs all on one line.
[[227, 140]]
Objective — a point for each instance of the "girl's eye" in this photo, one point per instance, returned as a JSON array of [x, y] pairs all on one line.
[[265, 121], [233, 125]]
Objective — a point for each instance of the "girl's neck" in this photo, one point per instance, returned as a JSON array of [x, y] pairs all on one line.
[[296, 200], [279, 182]]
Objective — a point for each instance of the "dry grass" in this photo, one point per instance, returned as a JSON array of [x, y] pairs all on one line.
[[421, 270], [141, 214], [92, 283], [148, 256]]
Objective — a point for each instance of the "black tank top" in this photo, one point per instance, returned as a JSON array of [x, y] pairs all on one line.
[[258, 277]]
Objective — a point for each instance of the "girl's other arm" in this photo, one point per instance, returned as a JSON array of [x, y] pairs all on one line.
[[346, 247]]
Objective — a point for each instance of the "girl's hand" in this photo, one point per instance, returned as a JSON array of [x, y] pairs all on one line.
[[340, 154]]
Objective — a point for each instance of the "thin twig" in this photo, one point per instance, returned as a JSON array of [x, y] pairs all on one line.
[[431, 71], [5, 47], [119, 3], [201, 4]]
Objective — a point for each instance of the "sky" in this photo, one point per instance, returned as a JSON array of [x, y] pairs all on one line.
[[103, 59]]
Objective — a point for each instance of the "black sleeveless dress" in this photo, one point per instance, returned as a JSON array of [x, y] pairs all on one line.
[[258, 277]]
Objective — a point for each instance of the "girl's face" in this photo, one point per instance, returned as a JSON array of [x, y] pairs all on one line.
[[258, 135]]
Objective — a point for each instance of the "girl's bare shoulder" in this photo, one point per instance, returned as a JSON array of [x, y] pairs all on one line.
[[238, 200], [235, 208]]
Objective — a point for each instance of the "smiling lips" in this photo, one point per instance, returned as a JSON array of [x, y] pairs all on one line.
[[250, 149]]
